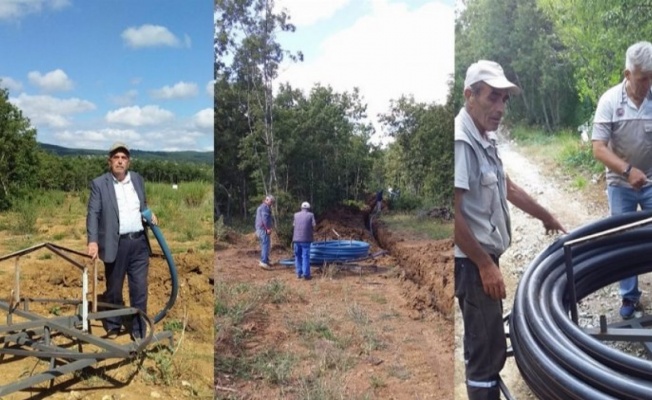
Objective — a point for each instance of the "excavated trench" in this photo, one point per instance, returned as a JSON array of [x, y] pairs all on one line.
[[425, 267]]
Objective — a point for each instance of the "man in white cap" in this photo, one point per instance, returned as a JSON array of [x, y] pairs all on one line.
[[302, 237], [482, 224]]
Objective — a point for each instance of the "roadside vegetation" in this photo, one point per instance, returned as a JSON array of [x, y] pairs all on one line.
[[563, 55], [564, 152], [418, 225]]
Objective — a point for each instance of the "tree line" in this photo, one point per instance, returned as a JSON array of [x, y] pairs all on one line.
[[563, 54], [310, 146], [26, 168]]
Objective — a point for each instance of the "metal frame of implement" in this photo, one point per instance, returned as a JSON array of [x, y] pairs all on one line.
[[60, 340]]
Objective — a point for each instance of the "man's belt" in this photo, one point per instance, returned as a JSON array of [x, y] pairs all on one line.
[[132, 235]]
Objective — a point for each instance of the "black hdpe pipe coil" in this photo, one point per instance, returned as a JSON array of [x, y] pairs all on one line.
[[147, 215], [329, 251], [556, 358]]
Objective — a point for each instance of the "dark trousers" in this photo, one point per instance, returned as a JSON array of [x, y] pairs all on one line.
[[485, 345], [132, 261]]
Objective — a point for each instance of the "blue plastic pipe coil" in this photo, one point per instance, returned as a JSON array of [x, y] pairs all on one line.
[[147, 215], [334, 251]]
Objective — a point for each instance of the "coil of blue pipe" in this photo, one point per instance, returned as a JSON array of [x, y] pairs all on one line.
[[330, 251]]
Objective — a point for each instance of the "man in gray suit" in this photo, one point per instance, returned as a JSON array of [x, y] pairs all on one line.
[[116, 233]]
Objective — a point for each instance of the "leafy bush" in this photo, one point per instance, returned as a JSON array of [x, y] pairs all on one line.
[[285, 230], [406, 202], [25, 222]]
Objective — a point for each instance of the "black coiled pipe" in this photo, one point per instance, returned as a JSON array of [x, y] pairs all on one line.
[[556, 358]]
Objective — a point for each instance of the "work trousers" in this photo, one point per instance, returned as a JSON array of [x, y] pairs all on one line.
[[263, 238], [485, 345], [623, 200], [302, 259], [131, 261]]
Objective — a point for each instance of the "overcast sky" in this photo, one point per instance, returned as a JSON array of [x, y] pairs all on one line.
[[88, 73], [386, 48]]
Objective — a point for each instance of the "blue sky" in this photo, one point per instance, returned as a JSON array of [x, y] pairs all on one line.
[[386, 48], [88, 73]]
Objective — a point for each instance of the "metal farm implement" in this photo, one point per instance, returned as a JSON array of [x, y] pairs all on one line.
[[68, 343]]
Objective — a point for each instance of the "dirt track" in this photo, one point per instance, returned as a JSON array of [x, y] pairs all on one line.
[[406, 297]]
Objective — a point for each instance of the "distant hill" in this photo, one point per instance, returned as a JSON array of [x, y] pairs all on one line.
[[204, 157]]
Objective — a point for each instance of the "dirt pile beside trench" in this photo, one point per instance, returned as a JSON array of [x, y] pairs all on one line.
[[343, 223], [427, 270]]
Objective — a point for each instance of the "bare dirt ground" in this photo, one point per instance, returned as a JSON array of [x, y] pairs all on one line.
[[573, 208], [182, 371], [403, 348]]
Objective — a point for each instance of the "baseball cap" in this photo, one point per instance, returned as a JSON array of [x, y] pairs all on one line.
[[305, 204], [118, 146], [491, 73]]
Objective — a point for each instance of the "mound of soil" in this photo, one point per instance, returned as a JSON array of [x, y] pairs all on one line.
[[427, 270]]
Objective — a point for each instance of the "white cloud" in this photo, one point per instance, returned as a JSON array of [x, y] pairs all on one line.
[[303, 13], [126, 98], [210, 88], [390, 52], [52, 81], [180, 90], [175, 139], [50, 111], [204, 119], [11, 84], [95, 139], [149, 36], [11, 10], [137, 116]]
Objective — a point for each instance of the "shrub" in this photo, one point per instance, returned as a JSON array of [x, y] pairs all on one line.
[[406, 202]]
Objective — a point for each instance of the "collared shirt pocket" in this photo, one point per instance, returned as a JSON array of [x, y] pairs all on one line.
[[488, 178], [489, 186]]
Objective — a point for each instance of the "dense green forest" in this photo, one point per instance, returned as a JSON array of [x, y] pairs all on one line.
[[204, 157], [564, 54], [314, 146], [27, 167]]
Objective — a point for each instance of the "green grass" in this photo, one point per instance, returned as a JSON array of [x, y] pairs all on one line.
[[315, 329], [331, 343], [273, 366], [173, 325], [425, 228], [190, 207], [235, 301]]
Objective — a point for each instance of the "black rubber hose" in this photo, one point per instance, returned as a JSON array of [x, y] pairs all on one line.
[[556, 358], [147, 215]]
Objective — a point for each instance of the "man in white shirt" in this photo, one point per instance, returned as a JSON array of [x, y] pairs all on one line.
[[116, 234]]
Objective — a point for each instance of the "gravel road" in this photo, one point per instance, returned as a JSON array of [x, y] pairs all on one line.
[[572, 209]]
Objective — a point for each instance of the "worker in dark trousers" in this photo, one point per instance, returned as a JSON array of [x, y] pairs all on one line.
[[482, 225]]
